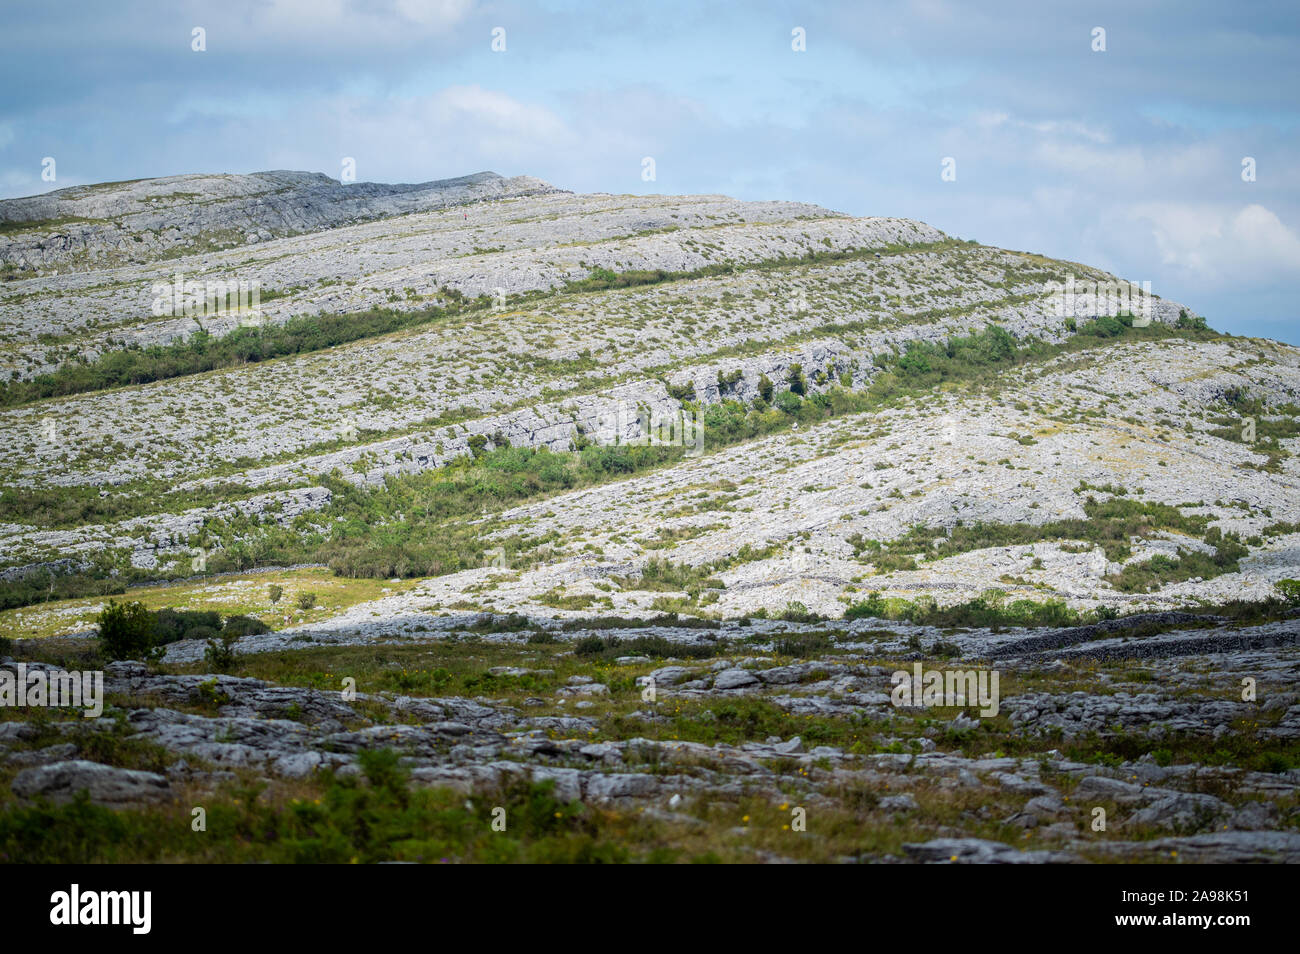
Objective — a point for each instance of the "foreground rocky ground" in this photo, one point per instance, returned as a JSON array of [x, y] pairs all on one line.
[[761, 741]]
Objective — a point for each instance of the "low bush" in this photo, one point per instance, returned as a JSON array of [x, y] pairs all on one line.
[[132, 631]]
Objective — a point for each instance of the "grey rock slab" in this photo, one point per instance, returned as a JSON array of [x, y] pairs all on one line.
[[979, 851], [1099, 788], [105, 785], [53, 753], [1220, 847], [568, 782], [1181, 810], [605, 787], [670, 675], [734, 679], [898, 803]]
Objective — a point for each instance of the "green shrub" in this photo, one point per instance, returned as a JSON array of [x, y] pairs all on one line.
[[171, 625], [126, 630], [1289, 590], [1105, 326], [727, 382], [130, 631], [239, 626], [795, 612], [787, 402], [220, 652], [681, 392], [914, 361], [383, 769]]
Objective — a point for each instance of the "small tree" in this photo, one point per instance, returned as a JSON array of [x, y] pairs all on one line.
[[275, 591], [220, 652], [125, 630]]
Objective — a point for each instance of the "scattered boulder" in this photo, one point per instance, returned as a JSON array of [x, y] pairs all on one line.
[[60, 782]]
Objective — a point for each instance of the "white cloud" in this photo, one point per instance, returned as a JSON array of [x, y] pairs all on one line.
[[434, 13], [1070, 128], [1221, 244], [1261, 235], [935, 11], [481, 107], [394, 25], [1082, 160], [991, 120], [412, 138]]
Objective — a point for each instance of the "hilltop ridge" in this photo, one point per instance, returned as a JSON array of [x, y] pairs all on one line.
[[83, 226]]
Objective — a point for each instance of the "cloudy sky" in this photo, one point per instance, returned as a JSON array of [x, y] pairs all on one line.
[[1130, 158]]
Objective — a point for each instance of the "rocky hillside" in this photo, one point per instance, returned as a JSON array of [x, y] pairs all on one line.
[[507, 453], [780, 327]]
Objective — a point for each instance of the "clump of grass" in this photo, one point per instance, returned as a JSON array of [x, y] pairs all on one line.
[[1243, 748], [666, 576], [1110, 524], [657, 647], [566, 601], [509, 623], [988, 610], [377, 817], [796, 612], [625, 622], [803, 644]]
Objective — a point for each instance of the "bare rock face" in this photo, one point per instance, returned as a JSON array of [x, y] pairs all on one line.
[[60, 782]]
